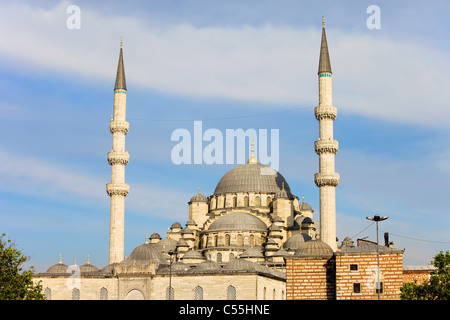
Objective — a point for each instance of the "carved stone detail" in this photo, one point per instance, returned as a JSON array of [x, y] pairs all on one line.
[[326, 179], [116, 157], [119, 126], [326, 146], [120, 189], [325, 112]]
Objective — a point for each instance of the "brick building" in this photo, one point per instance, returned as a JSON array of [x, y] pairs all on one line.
[[351, 273]]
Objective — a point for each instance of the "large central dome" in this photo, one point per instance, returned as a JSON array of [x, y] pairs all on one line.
[[252, 177]]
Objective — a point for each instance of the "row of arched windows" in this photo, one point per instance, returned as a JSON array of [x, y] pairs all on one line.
[[250, 240], [76, 294], [198, 293], [231, 293], [258, 202]]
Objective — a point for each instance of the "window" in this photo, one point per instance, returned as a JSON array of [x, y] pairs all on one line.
[[231, 293], [219, 257], [353, 267], [75, 294], [103, 294], [170, 293], [257, 202], [268, 201], [239, 240], [251, 240], [216, 240], [198, 293], [234, 201], [231, 257], [245, 201], [48, 294], [357, 288], [379, 288], [227, 240]]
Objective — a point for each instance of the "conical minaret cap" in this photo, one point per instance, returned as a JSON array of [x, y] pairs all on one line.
[[324, 61], [120, 77]]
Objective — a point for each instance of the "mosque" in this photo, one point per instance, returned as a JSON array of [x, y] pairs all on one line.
[[239, 243]]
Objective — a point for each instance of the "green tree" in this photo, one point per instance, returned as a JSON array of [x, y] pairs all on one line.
[[436, 288], [16, 283]]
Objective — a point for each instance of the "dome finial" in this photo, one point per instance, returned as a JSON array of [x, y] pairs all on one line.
[[146, 237], [303, 199], [198, 190], [252, 158], [282, 185], [60, 260], [88, 260]]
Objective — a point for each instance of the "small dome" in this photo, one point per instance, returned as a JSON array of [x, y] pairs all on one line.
[[182, 243], [282, 193], [252, 253], [241, 264], [155, 236], [207, 265], [166, 245], [176, 225], [88, 267], [180, 267], [58, 268], [238, 221], [199, 198], [314, 248], [144, 254], [295, 241], [193, 254], [304, 206]]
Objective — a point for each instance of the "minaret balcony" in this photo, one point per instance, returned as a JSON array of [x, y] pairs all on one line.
[[120, 189], [327, 179], [325, 112], [117, 157], [119, 126], [326, 146]]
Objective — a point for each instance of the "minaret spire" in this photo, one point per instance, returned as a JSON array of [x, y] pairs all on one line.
[[118, 158], [120, 76], [326, 147], [324, 59]]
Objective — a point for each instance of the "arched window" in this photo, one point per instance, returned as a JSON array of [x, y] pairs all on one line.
[[251, 240], [231, 293], [239, 240], [170, 293], [198, 293], [235, 201], [48, 294], [268, 201], [216, 240], [257, 202], [227, 240], [231, 257], [219, 257], [103, 294], [245, 201], [75, 294], [273, 298]]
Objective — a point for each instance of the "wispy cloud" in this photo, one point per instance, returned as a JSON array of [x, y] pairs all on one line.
[[374, 75]]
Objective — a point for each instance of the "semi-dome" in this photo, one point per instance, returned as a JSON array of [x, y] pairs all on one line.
[[314, 248], [296, 241], [252, 177], [144, 254], [238, 221]]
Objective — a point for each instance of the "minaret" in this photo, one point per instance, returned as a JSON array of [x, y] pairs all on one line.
[[118, 159], [326, 147]]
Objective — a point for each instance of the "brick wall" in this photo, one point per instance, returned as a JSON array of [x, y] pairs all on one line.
[[308, 278], [356, 275]]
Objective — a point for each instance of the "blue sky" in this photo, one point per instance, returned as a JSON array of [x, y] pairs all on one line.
[[231, 64]]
